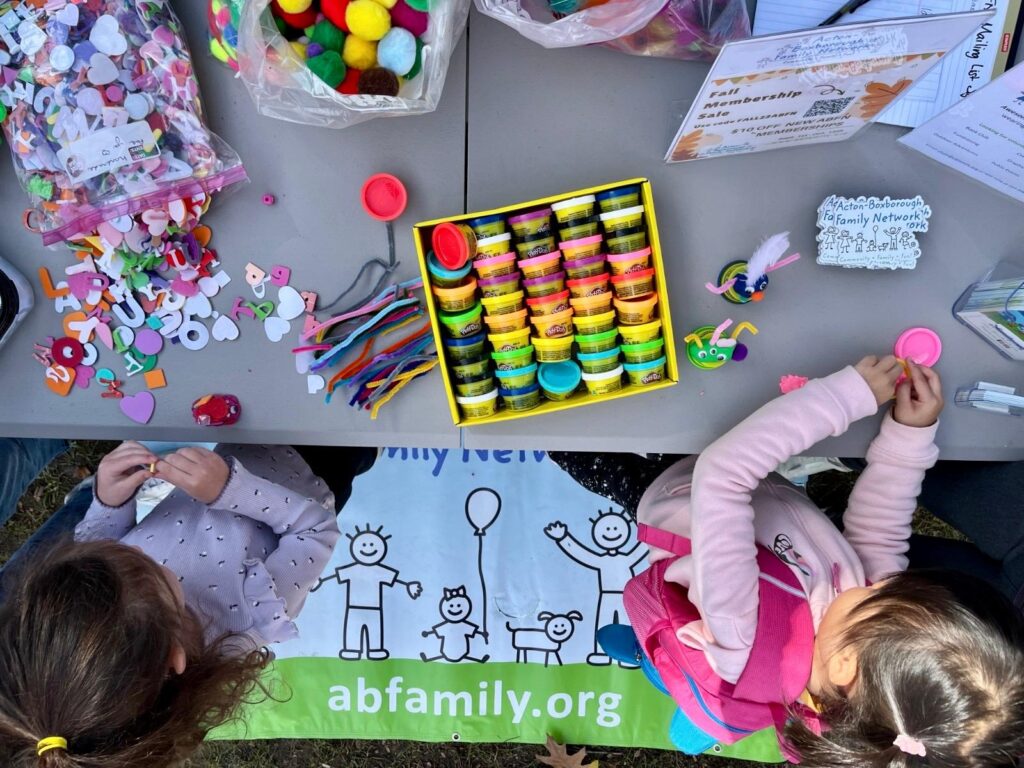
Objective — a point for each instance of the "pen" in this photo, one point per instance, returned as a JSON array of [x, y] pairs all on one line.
[[849, 7]]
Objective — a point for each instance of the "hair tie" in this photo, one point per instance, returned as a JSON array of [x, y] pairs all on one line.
[[909, 745], [50, 742]]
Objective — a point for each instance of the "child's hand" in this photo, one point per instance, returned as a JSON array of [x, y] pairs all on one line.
[[121, 472], [881, 375], [200, 473], [919, 398]]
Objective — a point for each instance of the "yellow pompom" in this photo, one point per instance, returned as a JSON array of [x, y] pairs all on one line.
[[358, 53], [389, 4], [367, 19], [299, 48], [294, 6]]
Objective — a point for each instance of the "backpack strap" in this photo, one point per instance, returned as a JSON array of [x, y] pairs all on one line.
[[662, 539]]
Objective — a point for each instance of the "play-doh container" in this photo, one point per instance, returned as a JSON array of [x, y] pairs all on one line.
[[598, 342], [539, 266], [454, 244], [591, 305], [517, 378], [583, 248], [604, 383], [501, 305], [615, 199], [521, 399], [531, 223], [558, 381], [553, 326], [518, 338], [546, 285], [587, 267], [471, 369], [568, 212], [643, 353], [551, 304], [505, 322], [589, 286], [552, 350], [488, 226], [599, 362], [465, 350], [627, 240], [640, 334], [624, 218], [516, 358], [591, 324], [478, 385], [642, 374], [625, 263], [498, 286], [457, 299], [494, 246], [535, 246], [636, 311], [634, 285], [496, 266], [580, 229], [462, 324], [480, 406], [443, 277]]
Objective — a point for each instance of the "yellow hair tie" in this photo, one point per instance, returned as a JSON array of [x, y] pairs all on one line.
[[50, 742]]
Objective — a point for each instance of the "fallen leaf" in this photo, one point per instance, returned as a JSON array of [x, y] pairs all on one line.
[[558, 757]]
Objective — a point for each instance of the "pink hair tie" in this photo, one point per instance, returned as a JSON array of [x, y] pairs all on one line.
[[909, 745]]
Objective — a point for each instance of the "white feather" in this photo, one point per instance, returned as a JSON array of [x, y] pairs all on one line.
[[766, 256]]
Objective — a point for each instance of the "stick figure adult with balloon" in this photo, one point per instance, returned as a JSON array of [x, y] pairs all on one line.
[[610, 531]]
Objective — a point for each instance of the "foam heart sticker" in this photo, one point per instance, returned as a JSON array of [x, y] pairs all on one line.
[[198, 305], [68, 15], [289, 303], [122, 224], [84, 375], [315, 383], [156, 220], [31, 38], [276, 328], [139, 408], [208, 287], [102, 70], [106, 36], [302, 362], [224, 329], [90, 101]]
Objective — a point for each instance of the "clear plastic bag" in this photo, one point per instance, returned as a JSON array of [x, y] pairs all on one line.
[[282, 86], [677, 29], [104, 116]]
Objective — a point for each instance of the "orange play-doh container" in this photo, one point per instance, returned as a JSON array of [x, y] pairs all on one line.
[[457, 299], [554, 326], [588, 286], [627, 263], [539, 266], [582, 248], [634, 285], [548, 305], [636, 311], [505, 322], [597, 304]]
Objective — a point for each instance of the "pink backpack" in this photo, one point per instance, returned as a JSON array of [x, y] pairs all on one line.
[[776, 674]]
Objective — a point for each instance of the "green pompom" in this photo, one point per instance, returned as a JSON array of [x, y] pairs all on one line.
[[418, 64], [419, 5], [281, 26], [329, 36], [329, 67]]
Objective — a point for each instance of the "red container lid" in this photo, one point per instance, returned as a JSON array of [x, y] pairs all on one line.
[[384, 197], [450, 245]]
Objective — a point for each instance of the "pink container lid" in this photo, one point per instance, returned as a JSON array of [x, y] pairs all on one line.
[[593, 239], [545, 279], [486, 281], [631, 256], [493, 261], [922, 345], [584, 262], [544, 258], [531, 215]]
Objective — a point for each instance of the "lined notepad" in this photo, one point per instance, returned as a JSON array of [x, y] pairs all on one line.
[[965, 70]]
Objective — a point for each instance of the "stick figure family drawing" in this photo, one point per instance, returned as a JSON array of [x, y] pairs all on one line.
[[458, 636]]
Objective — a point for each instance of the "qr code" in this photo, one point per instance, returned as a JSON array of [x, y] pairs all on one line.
[[828, 107]]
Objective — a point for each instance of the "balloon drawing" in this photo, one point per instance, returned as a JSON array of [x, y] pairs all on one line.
[[482, 508]]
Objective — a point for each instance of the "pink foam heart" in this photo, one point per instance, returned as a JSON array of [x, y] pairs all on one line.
[[83, 375], [183, 287], [107, 231], [139, 408], [157, 221]]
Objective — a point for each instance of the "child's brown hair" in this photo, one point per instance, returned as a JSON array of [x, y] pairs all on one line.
[[86, 634]]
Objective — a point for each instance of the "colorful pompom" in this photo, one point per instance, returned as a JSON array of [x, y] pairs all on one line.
[[367, 19], [358, 53], [397, 51]]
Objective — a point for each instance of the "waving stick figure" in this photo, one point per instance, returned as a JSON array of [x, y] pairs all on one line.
[[364, 604]]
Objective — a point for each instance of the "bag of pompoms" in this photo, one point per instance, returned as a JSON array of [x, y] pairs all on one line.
[[335, 63], [676, 29], [101, 110]]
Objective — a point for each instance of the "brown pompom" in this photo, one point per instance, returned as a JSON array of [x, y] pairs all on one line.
[[378, 82]]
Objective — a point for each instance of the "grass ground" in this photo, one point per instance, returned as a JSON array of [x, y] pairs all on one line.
[[47, 493]]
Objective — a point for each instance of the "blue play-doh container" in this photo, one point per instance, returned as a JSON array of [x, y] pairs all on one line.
[[599, 362], [467, 349], [517, 378], [559, 380], [443, 277], [642, 374], [488, 226], [522, 399], [616, 199]]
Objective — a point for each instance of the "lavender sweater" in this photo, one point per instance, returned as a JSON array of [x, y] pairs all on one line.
[[247, 561]]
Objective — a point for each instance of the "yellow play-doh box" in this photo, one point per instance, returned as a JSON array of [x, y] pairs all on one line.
[[570, 220]]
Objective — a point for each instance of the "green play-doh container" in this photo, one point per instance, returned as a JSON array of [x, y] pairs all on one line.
[[465, 350], [627, 240], [598, 342], [517, 378], [615, 199], [642, 374], [643, 353], [462, 324], [479, 385], [599, 362], [575, 209], [604, 383], [488, 226], [580, 229], [558, 381], [523, 399], [479, 406], [471, 369], [516, 358]]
